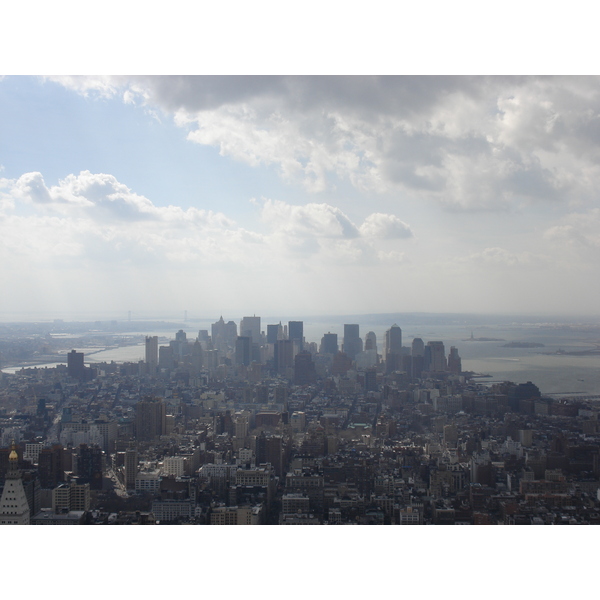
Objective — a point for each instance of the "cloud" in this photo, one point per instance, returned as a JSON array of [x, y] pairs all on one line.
[[96, 219], [577, 230], [500, 257], [382, 226], [468, 143], [318, 220]]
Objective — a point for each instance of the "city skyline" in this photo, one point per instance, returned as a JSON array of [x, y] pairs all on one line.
[[326, 195]]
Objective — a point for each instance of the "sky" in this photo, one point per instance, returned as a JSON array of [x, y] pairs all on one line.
[[299, 195]]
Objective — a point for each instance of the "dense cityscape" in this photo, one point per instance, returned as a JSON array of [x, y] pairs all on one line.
[[250, 424]]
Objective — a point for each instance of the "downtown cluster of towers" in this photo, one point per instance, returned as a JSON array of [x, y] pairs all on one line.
[[283, 347]]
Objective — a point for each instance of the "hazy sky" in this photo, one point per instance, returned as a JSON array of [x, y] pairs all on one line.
[[299, 195]]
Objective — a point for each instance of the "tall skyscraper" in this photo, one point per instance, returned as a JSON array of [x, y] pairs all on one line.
[[152, 353], [284, 355], [250, 326], [329, 344], [304, 369], [131, 468], [274, 333], [243, 350], [352, 342], [435, 357], [224, 335], [371, 341], [393, 348], [393, 340], [296, 333], [418, 347], [454, 361]]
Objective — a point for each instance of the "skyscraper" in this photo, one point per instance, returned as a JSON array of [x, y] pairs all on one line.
[[304, 369], [435, 357], [393, 348], [152, 353], [274, 333], [250, 326], [454, 361], [352, 342], [243, 349], [371, 341], [284, 355], [296, 332], [14, 508], [329, 344]]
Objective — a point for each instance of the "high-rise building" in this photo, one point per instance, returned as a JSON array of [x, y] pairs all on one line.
[[243, 350], [131, 468], [393, 340], [75, 366], [352, 344], [250, 326], [393, 348], [329, 344], [435, 357], [371, 341], [166, 358], [304, 369], [14, 508], [150, 419], [89, 466], [418, 347], [296, 333], [152, 354], [224, 335], [284, 355], [274, 333], [454, 361]]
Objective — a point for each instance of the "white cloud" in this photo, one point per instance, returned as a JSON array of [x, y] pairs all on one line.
[[319, 220], [466, 142], [382, 226]]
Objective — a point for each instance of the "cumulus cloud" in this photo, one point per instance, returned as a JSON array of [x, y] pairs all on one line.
[[95, 217], [465, 142], [319, 220], [382, 226], [579, 230]]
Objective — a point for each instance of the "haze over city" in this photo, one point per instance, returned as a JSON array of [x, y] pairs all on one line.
[[309, 195]]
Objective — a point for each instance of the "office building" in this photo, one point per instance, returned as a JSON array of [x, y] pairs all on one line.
[[352, 344], [454, 361], [75, 366], [250, 327], [14, 508], [371, 341], [329, 344], [131, 468], [393, 349], [150, 419], [435, 357], [304, 369], [243, 350], [284, 355], [152, 354], [296, 333]]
